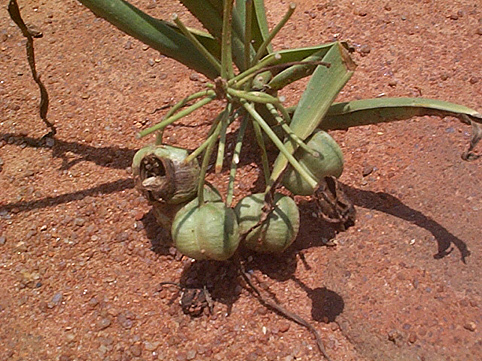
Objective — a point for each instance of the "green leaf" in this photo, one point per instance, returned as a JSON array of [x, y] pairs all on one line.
[[206, 39], [298, 71], [153, 32], [321, 91], [379, 110], [210, 14], [259, 23], [292, 65]]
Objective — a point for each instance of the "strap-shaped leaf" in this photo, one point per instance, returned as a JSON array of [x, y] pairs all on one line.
[[379, 110], [206, 39], [298, 71], [321, 91], [210, 14], [294, 64], [153, 32], [259, 22]]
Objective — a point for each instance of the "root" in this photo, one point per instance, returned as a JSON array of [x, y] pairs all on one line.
[[283, 311], [29, 33]]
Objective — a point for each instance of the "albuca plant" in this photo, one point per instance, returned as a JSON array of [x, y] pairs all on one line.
[[235, 53]]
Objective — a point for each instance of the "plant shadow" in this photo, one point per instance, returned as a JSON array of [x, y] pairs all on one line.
[[111, 157], [389, 204], [311, 235], [159, 237], [326, 304]]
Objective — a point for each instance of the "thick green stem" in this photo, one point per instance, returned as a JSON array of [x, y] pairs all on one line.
[[274, 32], [221, 147], [222, 117], [284, 112], [214, 62], [235, 161], [222, 140], [203, 146], [187, 99], [176, 117], [226, 49], [248, 74], [264, 154], [289, 132], [253, 96], [279, 144], [247, 32]]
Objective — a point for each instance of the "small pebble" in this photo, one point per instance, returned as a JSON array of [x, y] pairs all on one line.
[[136, 350], [3, 240], [21, 247], [412, 338], [364, 50], [361, 12], [79, 222], [125, 319], [128, 45], [49, 142], [181, 356], [471, 326], [56, 300], [190, 355], [93, 302], [151, 346], [284, 327], [367, 170], [103, 323]]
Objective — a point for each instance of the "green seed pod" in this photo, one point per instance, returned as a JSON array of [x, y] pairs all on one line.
[[161, 175], [328, 163], [209, 231], [165, 213], [277, 232]]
